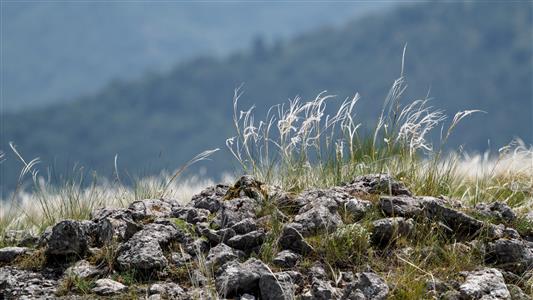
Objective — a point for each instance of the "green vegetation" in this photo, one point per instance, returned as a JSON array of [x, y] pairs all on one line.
[[471, 55]]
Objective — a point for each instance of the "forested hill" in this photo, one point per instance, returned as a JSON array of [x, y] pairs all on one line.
[[470, 55]]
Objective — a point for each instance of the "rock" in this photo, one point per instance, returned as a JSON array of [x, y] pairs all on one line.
[[247, 241], [210, 198], [366, 285], [500, 231], [68, 238], [277, 286], [167, 290], [387, 231], [323, 290], [291, 239], [108, 287], [401, 206], [144, 252], [112, 225], [319, 215], [151, 208], [83, 270], [512, 255], [463, 225], [8, 254], [517, 293], [377, 184], [484, 284], [247, 297], [236, 210], [190, 214], [21, 284], [217, 236], [220, 255], [356, 209], [236, 278], [286, 259], [497, 210], [247, 186], [245, 226]]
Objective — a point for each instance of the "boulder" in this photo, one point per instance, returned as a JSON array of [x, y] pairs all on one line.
[[366, 285], [387, 231], [190, 214], [167, 290], [323, 290], [401, 206], [235, 210], [112, 225], [68, 238], [376, 184], [286, 259], [464, 226], [277, 286], [486, 284], [513, 255], [291, 239], [210, 198], [317, 216], [497, 210], [248, 241], [151, 208], [8, 254], [237, 278], [220, 255], [245, 226], [108, 287]]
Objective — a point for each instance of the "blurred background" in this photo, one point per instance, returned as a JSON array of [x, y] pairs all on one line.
[[152, 82]]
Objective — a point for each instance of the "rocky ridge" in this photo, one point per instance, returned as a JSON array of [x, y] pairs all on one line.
[[253, 241]]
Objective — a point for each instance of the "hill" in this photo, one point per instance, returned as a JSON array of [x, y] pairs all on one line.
[[471, 55], [55, 51]]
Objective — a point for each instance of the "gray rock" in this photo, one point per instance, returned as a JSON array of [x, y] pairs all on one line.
[[112, 225], [108, 287], [83, 270], [497, 210], [190, 214], [245, 226], [366, 285], [484, 284], [386, 231], [291, 239], [500, 231], [286, 259], [143, 251], [517, 293], [377, 184], [21, 284], [167, 290], [180, 259], [247, 297], [356, 208], [8, 254], [151, 208], [248, 241], [277, 286], [217, 236], [512, 255], [236, 210], [210, 198], [401, 206], [236, 278], [463, 225], [319, 215], [220, 255], [323, 290], [68, 238]]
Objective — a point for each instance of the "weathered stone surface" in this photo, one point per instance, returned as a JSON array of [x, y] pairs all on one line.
[[292, 239], [377, 184], [108, 287], [20, 284], [68, 238], [484, 284], [236, 278], [277, 286], [112, 225], [401, 206], [83, 269], [151, 208], [143, 251], [8, 254], [323, 290], [517, 293], [167, 290], [220, 255], [236, 210], [286, 259], [247, 241], [497, 210], [319, 215], [463, 225], [190, 214], [217, 236], [245, 226], [386, 231], [366, 285], [510, 254], [210, 198], [356, 209]]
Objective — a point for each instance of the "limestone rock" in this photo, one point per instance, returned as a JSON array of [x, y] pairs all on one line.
[[486, 284], [286, 259], [108, 287], [68, 238], [386, 231], [8, 254], [292, 239]]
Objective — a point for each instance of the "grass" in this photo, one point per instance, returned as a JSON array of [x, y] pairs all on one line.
[[299, 146]]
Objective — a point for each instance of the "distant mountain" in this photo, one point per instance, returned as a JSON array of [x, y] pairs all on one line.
[[58, 50], [470, 55]]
